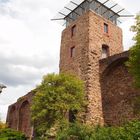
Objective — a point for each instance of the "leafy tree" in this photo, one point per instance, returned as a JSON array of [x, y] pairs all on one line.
[[9, 134], [54, 98], [134, 60]]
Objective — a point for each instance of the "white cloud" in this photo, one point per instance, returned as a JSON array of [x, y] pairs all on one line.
[[29, 47]]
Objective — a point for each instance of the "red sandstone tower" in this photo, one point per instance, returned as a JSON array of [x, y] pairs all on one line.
[[91, 34]]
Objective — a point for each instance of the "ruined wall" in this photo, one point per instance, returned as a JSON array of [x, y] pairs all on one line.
[[19, 115], [88, 40], [78, 64], [118, 93], [97, 38], [12, 117]]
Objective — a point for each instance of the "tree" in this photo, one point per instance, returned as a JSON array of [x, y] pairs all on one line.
[[134, 60], [54, 98]]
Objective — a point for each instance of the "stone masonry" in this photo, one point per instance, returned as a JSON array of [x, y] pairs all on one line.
[[108, 84], [88, 41], [19, 116]]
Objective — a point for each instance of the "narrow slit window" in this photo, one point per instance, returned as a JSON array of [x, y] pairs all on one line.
[[73, 30], [72, 51], [72, 116], [105, 51], [105, 28]]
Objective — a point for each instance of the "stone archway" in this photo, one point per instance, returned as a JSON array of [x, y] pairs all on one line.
[[12, 119], [117, 93], [24, 118]]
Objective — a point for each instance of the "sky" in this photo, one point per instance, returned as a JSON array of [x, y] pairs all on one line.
[[30, 44]]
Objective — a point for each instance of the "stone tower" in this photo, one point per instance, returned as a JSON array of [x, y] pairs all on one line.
[[90, 35]]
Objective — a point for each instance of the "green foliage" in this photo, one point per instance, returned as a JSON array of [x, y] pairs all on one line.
[[8, 134], [75, 131], [53, 99], [134, 60], [130, 131]]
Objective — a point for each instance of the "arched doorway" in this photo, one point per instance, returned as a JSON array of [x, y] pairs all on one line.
[[117, 93]]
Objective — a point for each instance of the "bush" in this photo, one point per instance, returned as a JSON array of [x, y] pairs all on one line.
[[2, 125], [9, 134], [75, 131], [130, 131]]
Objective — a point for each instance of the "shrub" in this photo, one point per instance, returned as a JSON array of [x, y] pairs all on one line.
[[2, 125], [130, 131], [9, 134]]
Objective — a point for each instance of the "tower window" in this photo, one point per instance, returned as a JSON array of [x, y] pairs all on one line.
[[72, 51], [105, 51], [73, 30], [105, 28]]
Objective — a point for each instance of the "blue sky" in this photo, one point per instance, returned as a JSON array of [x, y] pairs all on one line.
[[30, 43]]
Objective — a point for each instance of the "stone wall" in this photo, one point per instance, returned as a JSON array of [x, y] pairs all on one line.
[[118, 92], [18, 117], [78, 64]]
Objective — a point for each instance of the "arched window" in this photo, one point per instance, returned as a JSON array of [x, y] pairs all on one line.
[[24, 118], [105, 51]]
